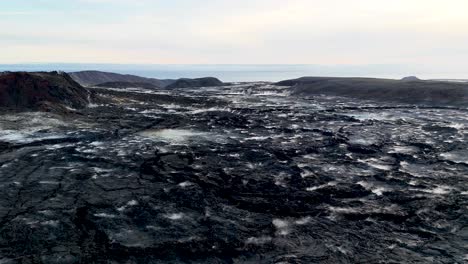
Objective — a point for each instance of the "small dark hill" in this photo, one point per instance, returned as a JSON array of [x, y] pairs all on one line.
[[50, 91], [434, 93], [198, 82], [92, 78], [410, 79], [124, 85]]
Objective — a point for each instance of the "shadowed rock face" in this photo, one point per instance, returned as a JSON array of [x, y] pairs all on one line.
[[434, 93], [193, 83], [123, 85], [41, 91]]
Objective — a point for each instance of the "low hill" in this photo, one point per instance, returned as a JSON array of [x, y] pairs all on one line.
[[398, 91], [410, 79], [41, 91], [123, 85], [198, 82], [92, 78]]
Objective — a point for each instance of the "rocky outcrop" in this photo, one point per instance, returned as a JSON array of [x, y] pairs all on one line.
[[434, 93], [198, 82], [92, 78], [124, 85], [41, 91]]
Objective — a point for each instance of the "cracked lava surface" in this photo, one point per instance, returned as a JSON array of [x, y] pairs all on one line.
[[238, 174]]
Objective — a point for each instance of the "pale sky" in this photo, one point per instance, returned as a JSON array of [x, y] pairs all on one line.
[[325, 32]]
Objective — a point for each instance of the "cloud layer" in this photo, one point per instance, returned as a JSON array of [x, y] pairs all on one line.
[[245, 31]]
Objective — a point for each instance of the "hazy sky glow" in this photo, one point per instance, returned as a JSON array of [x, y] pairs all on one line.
[[404, 32]]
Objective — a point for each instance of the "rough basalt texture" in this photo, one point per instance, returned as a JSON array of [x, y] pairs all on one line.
[[41, 90], [238, 174]]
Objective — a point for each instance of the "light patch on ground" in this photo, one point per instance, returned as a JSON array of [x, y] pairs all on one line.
[[173, 135], [175, 216], [313, 188], [259, 240], [105, 215], [378, 190], [185, 184], [457, 156], [377, 164], [282, 226]]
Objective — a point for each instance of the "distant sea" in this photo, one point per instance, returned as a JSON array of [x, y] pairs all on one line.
[[236, 72]]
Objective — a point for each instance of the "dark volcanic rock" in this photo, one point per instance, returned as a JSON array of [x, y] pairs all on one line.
[[217, 175], [124, 85], [41, 90], [192, 83], [91, 78], [433, 93]]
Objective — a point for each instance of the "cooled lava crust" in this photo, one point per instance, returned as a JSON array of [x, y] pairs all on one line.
[[237, 174]]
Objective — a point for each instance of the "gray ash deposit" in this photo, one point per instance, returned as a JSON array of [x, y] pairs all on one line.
[[235, 174]]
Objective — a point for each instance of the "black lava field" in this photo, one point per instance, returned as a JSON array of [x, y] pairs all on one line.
[[236, 174]]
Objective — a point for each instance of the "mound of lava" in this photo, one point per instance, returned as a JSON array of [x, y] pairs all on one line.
[[41, 90], [234, 174]]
